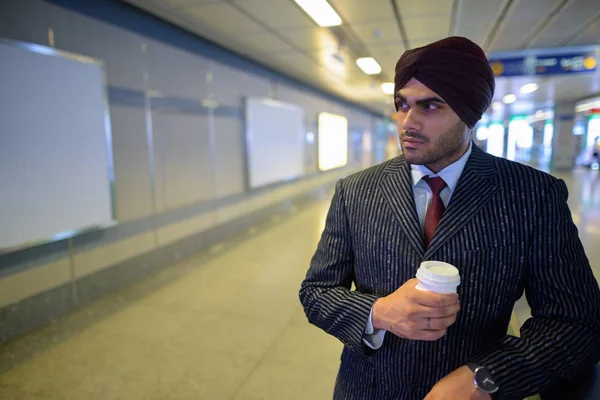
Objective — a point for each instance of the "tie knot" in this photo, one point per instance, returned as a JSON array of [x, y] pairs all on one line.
[[436, 184]]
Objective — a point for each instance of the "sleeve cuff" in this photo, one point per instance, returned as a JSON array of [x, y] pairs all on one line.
[[371, 337]]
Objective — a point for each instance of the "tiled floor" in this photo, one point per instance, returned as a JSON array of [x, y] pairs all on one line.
[[231, 328]]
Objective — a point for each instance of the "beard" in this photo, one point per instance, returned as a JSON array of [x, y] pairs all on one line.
[[444, 147]]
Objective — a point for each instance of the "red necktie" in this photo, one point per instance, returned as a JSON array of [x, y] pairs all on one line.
[[436, 208]]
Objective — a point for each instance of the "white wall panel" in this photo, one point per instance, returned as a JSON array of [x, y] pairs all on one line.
[[120, 50], [175, 72], [133, 191], [229, 157], [183, 173]]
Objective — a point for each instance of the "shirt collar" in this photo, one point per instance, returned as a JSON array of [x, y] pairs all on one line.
[[450, 174]]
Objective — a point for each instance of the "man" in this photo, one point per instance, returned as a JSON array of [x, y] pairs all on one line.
[[505, 226]]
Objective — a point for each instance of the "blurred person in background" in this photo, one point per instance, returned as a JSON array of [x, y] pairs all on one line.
[[596, 153]]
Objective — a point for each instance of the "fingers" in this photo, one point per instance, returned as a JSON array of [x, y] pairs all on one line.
[[432, 299], [429, 324], [415, 332], [430, 336], [442, 312], [409, 309], [432, 312], [420, 329], [436, 324]]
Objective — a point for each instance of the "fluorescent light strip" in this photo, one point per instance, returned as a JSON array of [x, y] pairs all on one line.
[[529, 88], [321, 12], [388, 87], [588, 106], [368, 65], [509, 99]]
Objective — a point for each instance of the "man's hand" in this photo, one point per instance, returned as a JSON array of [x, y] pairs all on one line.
[[405, 312], [458, 385]]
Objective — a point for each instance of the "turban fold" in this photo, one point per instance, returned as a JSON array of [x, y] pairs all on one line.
[[456, 69]]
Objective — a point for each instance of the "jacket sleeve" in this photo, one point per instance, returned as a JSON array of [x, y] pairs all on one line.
[[562, 338], [326, 294]]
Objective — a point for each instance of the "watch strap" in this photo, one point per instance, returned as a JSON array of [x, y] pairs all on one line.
[[473, 366]]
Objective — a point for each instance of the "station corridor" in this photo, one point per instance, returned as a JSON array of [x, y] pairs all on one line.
[[224, 324]]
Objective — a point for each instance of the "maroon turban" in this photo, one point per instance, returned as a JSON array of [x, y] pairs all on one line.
[[456, 69]]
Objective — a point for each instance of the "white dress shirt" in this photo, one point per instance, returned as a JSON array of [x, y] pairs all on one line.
[[422, 194]]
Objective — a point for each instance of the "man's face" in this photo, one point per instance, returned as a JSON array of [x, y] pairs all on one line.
[[430, 132]]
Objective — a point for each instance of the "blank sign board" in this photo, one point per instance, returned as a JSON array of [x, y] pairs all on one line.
[[333, 141], [55, 151], [275, 137]]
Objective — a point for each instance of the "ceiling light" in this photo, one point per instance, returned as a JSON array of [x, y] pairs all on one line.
[[587, 106], [321, 12], [496, 105], [529, 88], [388, 87], [509, 98], [369, 65]]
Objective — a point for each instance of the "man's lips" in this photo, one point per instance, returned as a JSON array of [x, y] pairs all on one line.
[[412, 141]]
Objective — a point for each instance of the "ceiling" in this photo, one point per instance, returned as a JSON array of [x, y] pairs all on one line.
[[280, 35]]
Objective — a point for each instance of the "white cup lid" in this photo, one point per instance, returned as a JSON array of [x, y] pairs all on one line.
[[439, 271]]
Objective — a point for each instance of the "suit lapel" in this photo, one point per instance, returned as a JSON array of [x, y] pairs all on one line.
[[397, 189], [475, 188]]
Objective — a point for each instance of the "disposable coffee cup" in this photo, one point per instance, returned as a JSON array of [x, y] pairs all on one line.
[[438, 277]]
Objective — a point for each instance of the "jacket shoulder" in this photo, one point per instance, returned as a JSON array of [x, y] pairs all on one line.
[[530, 177], [370, 175]]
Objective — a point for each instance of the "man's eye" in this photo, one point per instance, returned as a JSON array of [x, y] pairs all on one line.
[[430, 107], [401, 105]]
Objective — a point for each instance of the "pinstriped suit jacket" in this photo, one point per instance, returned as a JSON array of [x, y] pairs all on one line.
[[508, 229]]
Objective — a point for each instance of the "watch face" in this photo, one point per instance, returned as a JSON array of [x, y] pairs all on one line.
[[484, 381]]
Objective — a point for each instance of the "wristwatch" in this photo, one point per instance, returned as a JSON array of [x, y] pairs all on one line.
[[482, 378]]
